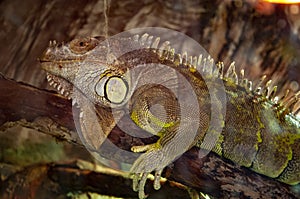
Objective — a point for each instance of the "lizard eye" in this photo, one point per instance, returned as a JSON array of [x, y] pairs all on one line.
[[114, 89], [83, 45]]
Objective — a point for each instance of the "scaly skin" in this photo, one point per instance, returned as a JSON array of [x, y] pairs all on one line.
[[258, 132]]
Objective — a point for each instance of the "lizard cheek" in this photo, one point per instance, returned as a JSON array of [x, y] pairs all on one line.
[[115, 90]]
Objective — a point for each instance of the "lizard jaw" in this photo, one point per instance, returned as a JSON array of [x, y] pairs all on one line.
[[61, 85]]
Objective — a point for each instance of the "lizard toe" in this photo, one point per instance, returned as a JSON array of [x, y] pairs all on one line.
[[138, 184], [148, 162], [157, 178]]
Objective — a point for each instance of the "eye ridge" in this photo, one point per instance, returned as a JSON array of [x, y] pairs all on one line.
[[83, 45], [105, 90]]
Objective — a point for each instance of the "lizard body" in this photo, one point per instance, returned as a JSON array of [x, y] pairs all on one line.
[[258, 131]]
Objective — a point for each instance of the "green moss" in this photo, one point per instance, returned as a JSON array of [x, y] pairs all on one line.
[[34, 152]]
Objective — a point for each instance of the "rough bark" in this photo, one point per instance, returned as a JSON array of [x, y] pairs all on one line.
[[57, 180]]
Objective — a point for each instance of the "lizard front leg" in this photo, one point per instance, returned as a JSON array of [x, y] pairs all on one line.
[[142, 168], [157, 111], [157, 156]]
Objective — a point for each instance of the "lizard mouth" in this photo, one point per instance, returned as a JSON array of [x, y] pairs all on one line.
[[55, 83], [47, 65]]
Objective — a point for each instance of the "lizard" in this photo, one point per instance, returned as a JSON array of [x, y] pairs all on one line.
[[259, 130]]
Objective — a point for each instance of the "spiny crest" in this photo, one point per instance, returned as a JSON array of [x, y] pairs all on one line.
[[263, 90], [55, 46], [53, 43]]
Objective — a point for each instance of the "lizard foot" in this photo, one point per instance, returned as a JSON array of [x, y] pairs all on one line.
[[152, 160]]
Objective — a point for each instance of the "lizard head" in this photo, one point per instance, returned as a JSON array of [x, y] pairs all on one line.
[[83, 64], [63, 60]]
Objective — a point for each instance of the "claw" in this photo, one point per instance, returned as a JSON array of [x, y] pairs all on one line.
[[141, 185], [135, 182], [145, 164], [138, 184], [157, 177]]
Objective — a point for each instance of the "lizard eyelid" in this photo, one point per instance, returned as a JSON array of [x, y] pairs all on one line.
[[83, 45]]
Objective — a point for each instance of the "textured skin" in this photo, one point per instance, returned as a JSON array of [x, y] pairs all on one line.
[[258, 131]]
